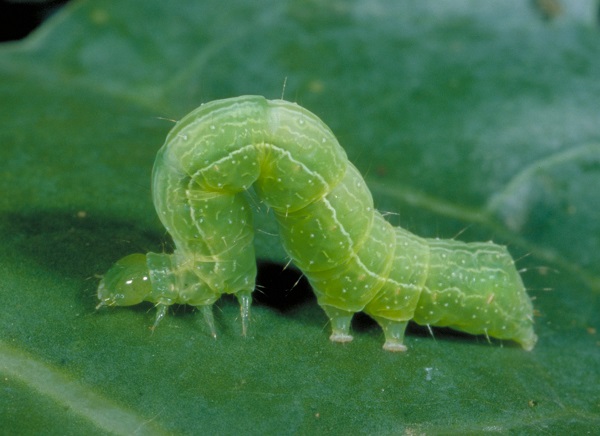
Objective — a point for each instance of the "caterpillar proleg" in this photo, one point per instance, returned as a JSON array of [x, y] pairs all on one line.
[[353, 258]]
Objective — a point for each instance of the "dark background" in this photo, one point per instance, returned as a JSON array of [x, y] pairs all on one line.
[[19, 18]]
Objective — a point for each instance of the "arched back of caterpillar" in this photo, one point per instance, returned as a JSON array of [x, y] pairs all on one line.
[[353, 258]]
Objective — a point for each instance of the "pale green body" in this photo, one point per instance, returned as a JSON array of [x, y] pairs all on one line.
[[353, 258]]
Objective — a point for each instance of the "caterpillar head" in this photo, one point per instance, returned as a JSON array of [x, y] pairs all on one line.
[[126, 283]]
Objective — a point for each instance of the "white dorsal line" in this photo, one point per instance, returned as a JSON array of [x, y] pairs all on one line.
[[287, 153]]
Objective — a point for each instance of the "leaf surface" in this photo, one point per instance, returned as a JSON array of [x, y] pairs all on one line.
[[471, 120]]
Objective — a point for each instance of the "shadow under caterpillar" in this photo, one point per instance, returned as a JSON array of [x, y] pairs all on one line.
[[353, 258]]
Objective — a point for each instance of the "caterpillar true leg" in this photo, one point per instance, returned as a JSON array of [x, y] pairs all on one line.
[[209, 319], [161, 311]]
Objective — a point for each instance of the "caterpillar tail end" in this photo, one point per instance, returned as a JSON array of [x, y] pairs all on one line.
[[340, 324]]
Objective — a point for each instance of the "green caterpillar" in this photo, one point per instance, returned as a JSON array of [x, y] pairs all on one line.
[[353, 258]]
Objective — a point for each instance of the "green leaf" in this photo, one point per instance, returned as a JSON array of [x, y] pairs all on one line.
[[476, 119]]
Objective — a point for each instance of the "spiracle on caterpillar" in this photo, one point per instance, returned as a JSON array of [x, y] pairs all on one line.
[[353, 258]]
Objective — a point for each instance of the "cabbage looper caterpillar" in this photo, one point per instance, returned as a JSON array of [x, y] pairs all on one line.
[[353, 258]]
